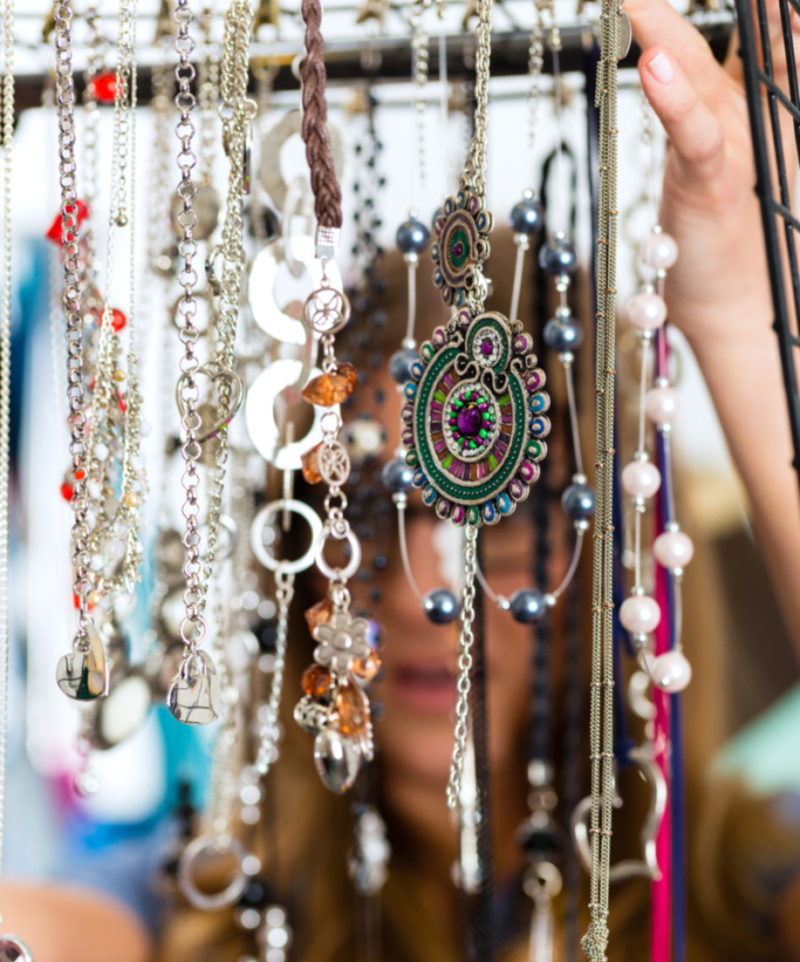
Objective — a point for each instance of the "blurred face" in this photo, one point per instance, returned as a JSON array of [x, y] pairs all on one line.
[[419, 657]]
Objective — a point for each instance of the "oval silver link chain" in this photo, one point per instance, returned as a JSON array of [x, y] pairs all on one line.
[[193, 627], [463, 684]]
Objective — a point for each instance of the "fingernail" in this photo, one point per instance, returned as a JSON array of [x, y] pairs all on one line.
[[661, 68]]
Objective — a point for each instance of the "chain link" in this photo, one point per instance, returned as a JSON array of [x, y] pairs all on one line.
[[601, 720], [420, 46], [474, 175], [5, 385], [267, 751], [466, 642], [193, 627], [65, 109], [208, 95]]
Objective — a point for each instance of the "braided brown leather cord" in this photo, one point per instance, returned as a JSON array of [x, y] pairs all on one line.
[[314, 129]]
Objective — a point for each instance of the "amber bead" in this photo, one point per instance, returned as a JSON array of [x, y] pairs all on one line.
[[351, 707], [329, 389], [308, 462], [319, 614], [367, 668], [316, 680]]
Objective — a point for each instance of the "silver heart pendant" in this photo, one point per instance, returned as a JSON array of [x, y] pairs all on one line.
[[215, 374], [13, 949], [83, 675], [193, 696]]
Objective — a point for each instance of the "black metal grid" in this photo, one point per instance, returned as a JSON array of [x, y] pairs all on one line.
[[776, 214]]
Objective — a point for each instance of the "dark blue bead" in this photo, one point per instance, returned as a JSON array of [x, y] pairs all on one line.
[[441, 606], [400, 364], [527, 606], [527, 216], [412, 236], [558, 256], [563, 334], [397, 476], [578, 502]]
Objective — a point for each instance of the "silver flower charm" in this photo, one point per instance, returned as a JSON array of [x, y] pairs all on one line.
[[341, 641]]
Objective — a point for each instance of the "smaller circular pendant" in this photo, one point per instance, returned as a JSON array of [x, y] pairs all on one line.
[[462, 245]]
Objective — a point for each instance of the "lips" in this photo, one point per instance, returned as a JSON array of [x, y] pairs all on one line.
[[424, 688]]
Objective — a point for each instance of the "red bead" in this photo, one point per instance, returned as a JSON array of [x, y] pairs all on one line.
[[122, 406], [54, 233], [66, 491], [104, 87], [118, 320]]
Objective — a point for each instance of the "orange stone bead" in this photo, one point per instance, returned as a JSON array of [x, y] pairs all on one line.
[[316, 680], [329, 389], [319, 614], [352, 709], [309, 466], [367, 668]]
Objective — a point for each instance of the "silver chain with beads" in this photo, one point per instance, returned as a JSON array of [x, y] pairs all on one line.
[[65, 109]]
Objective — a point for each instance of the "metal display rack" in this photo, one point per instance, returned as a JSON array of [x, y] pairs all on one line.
[[776, 214]]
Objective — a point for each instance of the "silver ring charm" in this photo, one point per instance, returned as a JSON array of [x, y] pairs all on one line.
[[204, 845], [337, 574], [13, 949], [260, 522]]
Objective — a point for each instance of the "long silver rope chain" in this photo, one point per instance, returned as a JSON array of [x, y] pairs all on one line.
[[284, 592], [193, 626], [601, 721], [466, 641], [5, 386], [65, 105]]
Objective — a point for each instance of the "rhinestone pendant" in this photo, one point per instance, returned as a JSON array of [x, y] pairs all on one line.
[[13, 949], [474, 423], [193, 697], [83, 675]]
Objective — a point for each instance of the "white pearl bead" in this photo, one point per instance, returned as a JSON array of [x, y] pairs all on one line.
[[641, 479], [100, 451], [95, 489], [661, 405], [640, 614], [671, 671], [659, 251], [673, 549], [647, 311]]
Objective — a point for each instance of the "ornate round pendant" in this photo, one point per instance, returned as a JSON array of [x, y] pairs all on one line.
[[462, 245], [475, 419]]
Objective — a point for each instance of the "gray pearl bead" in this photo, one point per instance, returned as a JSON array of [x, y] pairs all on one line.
[[527, 606], [558, 256], [412, 236], [400, 364], [397, 476], [441, 606], [563, 334], [578, 502], [527, 216]]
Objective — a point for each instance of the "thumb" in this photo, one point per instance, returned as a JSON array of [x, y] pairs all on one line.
[[693, 130]]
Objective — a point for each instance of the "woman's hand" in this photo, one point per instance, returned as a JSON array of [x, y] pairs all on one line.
[[719, 286], [718, 292]]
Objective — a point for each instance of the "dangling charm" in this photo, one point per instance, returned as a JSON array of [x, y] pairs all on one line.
[[334, 708], [462, 245], [475, 421], [82, 674]]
